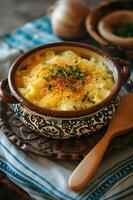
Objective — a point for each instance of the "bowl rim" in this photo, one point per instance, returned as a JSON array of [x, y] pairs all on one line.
[[56, 113]]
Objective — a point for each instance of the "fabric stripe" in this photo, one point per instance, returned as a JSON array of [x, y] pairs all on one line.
[[109, 172], [16, 42], [33, 172], [119, 193], [127, 195], [24, 184], [27, 36], [111, 181], [43, 24], [32, 34], [36, 38], [107, 176], [81, 198], [31, 183]]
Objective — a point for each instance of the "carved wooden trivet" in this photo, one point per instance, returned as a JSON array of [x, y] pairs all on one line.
[[71, 149]]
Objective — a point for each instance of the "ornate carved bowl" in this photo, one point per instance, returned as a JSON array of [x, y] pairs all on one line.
[[65, 124]]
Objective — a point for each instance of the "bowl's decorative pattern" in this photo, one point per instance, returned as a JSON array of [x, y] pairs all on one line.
[[61, 128], [69, 149]]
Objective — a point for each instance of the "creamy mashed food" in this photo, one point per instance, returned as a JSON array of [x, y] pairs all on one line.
[[63, 81]]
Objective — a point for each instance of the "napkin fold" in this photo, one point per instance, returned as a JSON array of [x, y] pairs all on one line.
[[45, 178]]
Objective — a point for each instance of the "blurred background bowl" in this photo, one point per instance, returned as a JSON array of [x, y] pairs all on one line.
[[94, 18]]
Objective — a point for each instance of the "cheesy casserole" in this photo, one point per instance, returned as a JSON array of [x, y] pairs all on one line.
[[63, 80]]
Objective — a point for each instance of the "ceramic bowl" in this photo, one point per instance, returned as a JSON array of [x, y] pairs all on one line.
[[92, 22], [65, 124], [105, 27]]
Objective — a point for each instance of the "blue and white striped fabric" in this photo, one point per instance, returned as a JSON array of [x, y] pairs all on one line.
[[46, 179], [31, 34]]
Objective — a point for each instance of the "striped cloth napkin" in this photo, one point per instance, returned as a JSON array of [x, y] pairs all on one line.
[[46, 179]]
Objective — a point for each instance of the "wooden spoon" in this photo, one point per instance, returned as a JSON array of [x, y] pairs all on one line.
[[121, 123]]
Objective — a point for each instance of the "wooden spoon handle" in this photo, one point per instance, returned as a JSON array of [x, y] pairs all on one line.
[[86, 169]]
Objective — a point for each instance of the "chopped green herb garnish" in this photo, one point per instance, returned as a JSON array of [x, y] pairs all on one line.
[[123, 29], [43, 63], [75, 107], [46, 78], [83, 82], [71, 71], [76, 61], [112, 76], [84, 98], [74, 89], [91, 101], [49, 87], [65, 74]]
